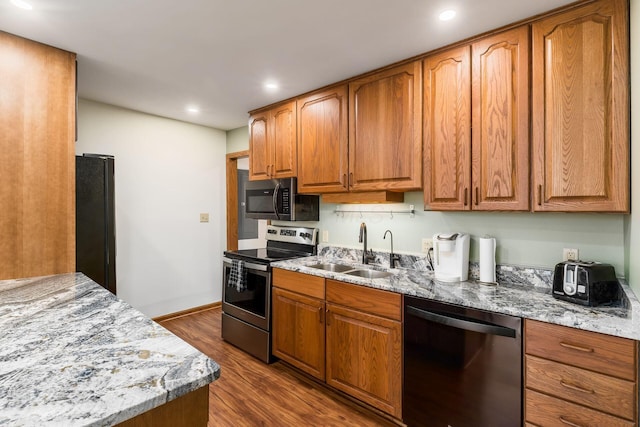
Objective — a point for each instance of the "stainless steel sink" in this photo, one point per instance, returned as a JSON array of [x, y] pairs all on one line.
[[329, 266], [369, 274]]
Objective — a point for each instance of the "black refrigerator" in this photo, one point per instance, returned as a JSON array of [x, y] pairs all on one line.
[[95, 219]]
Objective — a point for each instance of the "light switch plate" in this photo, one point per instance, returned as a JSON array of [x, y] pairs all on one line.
[[204, 217], [325, 236]]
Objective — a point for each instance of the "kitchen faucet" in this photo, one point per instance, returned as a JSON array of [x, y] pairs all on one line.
[[392, 257], [366, 257]]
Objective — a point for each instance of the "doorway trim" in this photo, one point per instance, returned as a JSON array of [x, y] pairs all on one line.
[[232, 198]]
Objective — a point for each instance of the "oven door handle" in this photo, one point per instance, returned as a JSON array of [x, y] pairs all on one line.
[[462, 323], [248, 265]]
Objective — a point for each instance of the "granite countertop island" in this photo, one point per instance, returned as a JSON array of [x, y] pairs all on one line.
[[73, 354], [523, 292]]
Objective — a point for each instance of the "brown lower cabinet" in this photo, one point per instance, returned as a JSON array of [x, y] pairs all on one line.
[[298, 331], [579, 378], [348, 335], [189, 410]]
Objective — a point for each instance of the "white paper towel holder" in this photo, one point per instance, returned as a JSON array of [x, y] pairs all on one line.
[[488, 283]]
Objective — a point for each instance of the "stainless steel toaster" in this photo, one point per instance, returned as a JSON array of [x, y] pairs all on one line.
[[586, 283]]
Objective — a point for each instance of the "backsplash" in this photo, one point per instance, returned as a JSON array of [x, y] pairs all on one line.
[[513, 274]]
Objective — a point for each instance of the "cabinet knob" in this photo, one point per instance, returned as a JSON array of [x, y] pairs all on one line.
[[476, 201], [466, 196]]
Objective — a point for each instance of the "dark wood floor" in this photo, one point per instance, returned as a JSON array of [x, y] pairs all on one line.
[[252, 393]]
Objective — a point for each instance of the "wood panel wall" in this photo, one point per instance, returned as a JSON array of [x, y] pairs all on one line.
[[37, 159]]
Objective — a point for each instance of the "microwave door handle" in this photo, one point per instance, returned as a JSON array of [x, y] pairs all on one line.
[[466, 324], [275, 200]]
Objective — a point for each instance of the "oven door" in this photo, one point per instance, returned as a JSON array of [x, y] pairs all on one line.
[[252, 305]]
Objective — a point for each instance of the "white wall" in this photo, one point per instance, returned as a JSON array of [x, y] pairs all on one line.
[[167, 172], [530, 239]]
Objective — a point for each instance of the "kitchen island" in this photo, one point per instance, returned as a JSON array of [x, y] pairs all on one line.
[[73, 354]]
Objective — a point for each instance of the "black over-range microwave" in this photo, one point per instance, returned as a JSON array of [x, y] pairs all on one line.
[[278, 199]]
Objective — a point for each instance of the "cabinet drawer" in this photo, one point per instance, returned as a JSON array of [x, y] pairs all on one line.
[[597, 391], [375, 301], [597, 352], [304, 284], [543, 410]]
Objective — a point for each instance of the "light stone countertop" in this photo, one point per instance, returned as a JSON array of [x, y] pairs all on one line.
[[73, 354], [521, 292]]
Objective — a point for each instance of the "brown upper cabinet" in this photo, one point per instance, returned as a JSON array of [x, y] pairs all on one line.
[[272, 142], [580, 109], [484, 87], [37, 164], [323, 141], [385, 130], [535, 117]]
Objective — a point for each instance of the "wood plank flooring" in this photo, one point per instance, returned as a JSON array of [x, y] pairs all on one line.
[[252, 393]]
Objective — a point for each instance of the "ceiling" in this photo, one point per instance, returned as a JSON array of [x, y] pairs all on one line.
[[158, 56]]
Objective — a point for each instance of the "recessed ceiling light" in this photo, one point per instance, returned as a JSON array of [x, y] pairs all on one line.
[[447, 15], [271, 86], [22, 4], [193, 109]]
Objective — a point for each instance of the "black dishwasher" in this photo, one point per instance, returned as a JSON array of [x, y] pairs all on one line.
[[462, 366]]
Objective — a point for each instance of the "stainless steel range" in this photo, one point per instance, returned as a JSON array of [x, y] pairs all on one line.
[[246, 287]]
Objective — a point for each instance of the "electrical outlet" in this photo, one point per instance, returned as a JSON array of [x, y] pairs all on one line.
[[204, 217], [426, 245], [569, 254], [325, 236]]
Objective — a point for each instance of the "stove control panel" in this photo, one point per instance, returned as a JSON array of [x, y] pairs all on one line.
[[304, 235]]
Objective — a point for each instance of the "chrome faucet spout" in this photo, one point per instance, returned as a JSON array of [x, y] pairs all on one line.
[[392, 257], [362, 238]]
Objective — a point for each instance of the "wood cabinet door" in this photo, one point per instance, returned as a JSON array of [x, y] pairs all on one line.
[[364, 357], [259, 154], [298, 331], [284, 154], [385, 130], [37, 159], [580, 109], [323, 140], [447, 130], [500, 121]]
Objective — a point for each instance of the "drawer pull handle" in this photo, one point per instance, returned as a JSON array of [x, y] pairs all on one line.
[[569, 423], [576, 347], [575, 387]]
